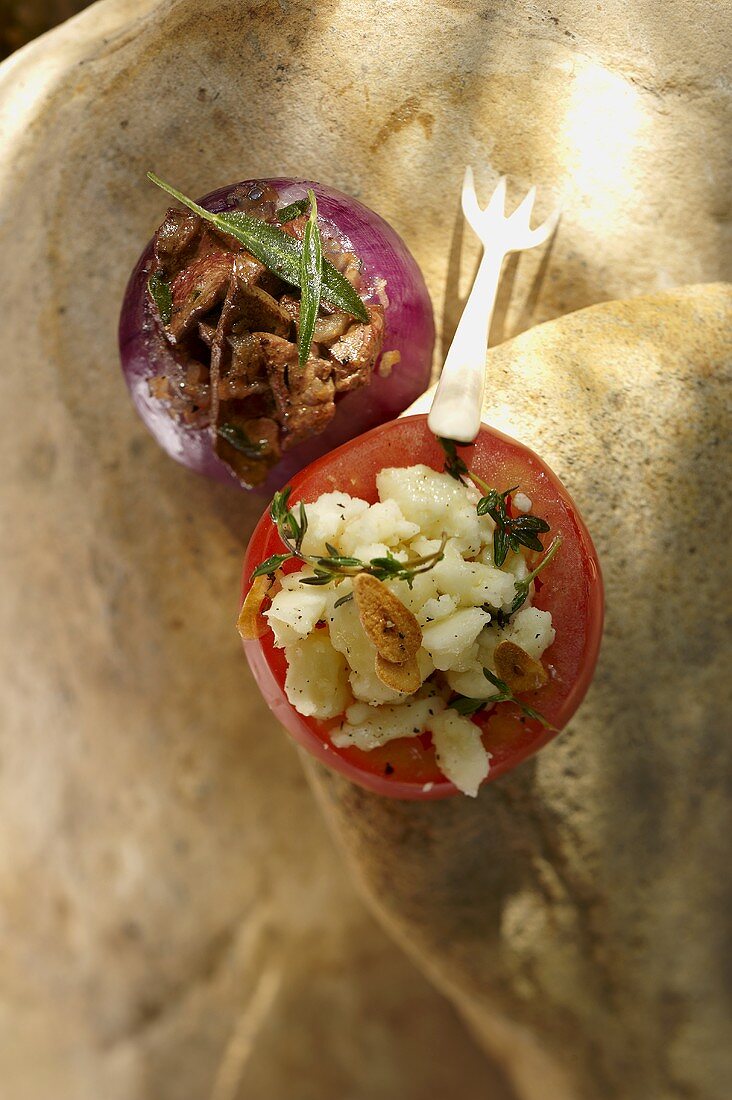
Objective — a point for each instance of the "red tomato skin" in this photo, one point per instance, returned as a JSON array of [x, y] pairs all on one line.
[[571, 589]]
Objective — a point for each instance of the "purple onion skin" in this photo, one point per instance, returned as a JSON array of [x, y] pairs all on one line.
[[409, 329]]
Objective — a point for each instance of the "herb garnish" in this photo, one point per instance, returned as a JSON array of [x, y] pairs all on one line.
[[294, 210], [159, 289], [510, 531], [454, 465], [468, 707], [240, 441], [311, 268], [278, 251], [522, 587], [292, 530]]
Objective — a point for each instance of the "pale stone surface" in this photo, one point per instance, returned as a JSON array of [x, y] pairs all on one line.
[[579, 912], [161, 861]]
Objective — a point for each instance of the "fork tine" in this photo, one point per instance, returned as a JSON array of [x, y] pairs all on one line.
[[471, 209], [497, 204], [525, 207], [544, 231]]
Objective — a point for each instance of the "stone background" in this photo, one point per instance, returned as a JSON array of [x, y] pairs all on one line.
[[174, 920]]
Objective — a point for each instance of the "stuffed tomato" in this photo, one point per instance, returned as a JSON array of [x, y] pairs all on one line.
[[215, 348], [421, 616]]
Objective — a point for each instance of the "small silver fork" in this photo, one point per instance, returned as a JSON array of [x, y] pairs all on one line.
[[458, 401]]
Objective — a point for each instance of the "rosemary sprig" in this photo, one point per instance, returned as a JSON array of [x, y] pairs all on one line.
[[294, 210], [311, 269], [292, 530], [468, 707], [160, 292], [278, 251], [510, 532]]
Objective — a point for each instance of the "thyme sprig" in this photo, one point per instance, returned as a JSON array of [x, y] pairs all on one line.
[[522, 587], [468, 707], [511, 532], [326, 568]]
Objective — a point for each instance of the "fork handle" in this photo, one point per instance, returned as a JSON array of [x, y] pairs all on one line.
[[458, 402]]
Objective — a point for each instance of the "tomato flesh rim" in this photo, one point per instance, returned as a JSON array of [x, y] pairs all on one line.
[[511, 747]]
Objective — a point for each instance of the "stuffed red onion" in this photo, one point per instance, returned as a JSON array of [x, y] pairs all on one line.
[[209, 334]]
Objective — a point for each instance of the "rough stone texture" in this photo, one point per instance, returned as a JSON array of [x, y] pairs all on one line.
[[167, 892], [579, 911]]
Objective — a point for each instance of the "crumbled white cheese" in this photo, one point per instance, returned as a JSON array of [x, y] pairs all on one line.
[[316, 682], [294, 613], [522, 502], [447, 640], [531, 629], [435, 609], [327, 516], [383, 523], [473, 583], [368, 727], [434, 502], [459, 751]]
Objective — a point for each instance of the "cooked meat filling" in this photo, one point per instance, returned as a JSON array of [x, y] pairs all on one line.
[[233, 331]]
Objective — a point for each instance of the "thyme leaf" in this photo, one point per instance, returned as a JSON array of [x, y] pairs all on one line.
[[278, 507], [160, 292], [302, 528], [467, 707], [271, 565], [278, 251], [501, 545], [502, 686], [311, 268]]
